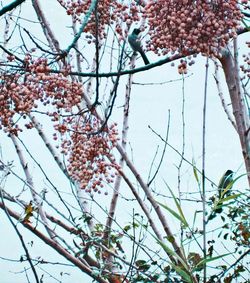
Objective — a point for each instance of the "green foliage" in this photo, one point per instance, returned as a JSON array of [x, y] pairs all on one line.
[[180, 216], [235, 230]]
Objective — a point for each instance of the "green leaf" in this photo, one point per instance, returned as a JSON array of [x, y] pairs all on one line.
[[171, 252], [227, 189], [135, 225], [184, 275], [184, 221], [209, 259], [182, 271], [142, 265], [127, 228], [194, 219], [175, 214], [230, 198], [195, 172], [180, 216]]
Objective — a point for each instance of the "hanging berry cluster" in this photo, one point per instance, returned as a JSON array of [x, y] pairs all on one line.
[[108, 12], [245, 67], [91, 162], [186, 26], [87, 146], [22, 92]]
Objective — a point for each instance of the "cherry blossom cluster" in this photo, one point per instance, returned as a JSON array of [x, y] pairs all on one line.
[[90, 160], [24, 91], [109, 12], [186, 26]]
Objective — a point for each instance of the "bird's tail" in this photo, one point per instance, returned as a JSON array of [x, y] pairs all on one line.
[[144, 57]]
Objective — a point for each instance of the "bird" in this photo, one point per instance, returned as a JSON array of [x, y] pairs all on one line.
[[224, 187], [225, 184], [135, 43], [225, 180]]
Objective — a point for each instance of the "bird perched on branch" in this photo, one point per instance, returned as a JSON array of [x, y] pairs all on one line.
[[225, 180], [135, 43], [224, 188]]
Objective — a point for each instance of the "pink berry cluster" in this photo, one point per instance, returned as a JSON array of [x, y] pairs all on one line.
[[22, 92], [88, 147], [109, 12], [186, 26], [91, 162], [245, 68]]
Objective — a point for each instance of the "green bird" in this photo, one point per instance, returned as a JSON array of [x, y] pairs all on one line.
[[135, 43], [225, 180]]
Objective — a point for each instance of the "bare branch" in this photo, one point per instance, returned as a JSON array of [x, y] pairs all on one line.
[[220, 93]]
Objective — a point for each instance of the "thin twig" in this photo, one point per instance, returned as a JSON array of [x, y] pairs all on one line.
[[203, 173], [163, 152], [176, 151], [221, 96]]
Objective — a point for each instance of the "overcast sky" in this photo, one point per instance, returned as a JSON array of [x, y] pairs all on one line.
[[151, 104]]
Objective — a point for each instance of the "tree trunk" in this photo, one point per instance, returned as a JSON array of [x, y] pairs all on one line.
[[230, 68]]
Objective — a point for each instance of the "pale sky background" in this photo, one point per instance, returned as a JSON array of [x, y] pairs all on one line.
[[149, 106]]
